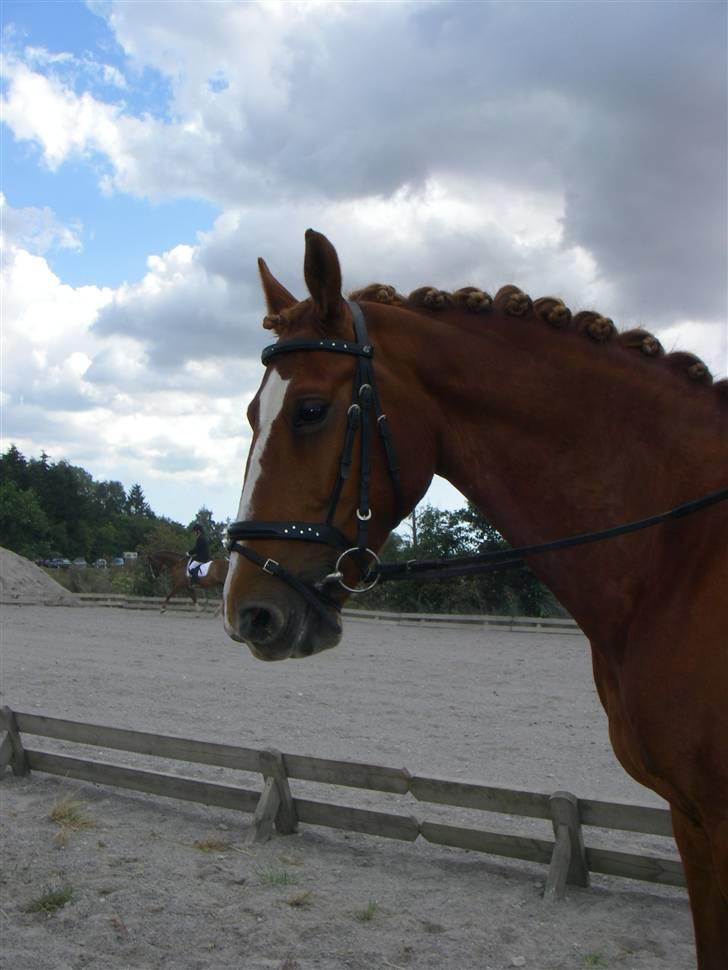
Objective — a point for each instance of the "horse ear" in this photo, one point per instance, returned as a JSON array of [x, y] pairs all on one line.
[[322, 273], [277, 297]]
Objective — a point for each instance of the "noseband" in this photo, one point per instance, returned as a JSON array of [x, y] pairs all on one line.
[[365, 403]]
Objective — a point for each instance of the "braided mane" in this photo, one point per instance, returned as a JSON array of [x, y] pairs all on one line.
[[551, 310]]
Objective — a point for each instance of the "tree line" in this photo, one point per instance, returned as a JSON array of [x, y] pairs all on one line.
[[52, 509], [55, 509]]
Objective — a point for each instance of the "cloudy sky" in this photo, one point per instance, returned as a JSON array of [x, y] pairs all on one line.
[[152, 150]]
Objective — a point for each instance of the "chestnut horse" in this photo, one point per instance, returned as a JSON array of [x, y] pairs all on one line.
[[174, 565], [552, 425]]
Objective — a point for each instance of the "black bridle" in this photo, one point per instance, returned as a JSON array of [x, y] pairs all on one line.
[[365, 404]]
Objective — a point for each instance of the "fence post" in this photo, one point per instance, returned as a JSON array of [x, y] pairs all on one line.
[[276, 803], [12, 751], [568, 861]]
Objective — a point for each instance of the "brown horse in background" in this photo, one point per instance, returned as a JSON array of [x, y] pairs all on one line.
[[174, 565], [553, 424]]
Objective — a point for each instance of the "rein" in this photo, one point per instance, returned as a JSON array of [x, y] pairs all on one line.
[[500, 558], [365, 403]]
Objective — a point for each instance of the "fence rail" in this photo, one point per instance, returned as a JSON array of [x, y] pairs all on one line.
[[514, 623], [126, 601], [568, 859], [520, 624]]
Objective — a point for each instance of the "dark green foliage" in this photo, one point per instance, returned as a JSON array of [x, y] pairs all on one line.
[[22, 519], [509, 592], [136, 504], [54, 509]]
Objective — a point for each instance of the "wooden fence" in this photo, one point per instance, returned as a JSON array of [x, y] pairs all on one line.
[[182, 604], [519, 624], [568, 859]]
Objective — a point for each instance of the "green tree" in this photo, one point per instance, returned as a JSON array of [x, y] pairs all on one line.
[[136, 503], [23, 524], [111, 497], [14, 468], [165, 536], [443, 534], [81, 517]]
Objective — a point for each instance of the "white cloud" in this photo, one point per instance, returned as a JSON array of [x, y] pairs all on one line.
[[41, 310], [99, 402], [40, 108], [705, 340], [443, 143], [279, 103], [36, 229], [197, 305]]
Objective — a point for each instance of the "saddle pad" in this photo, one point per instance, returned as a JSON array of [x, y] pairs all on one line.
[[203, 568]]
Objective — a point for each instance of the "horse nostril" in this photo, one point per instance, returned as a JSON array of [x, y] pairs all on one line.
[[260, 624]]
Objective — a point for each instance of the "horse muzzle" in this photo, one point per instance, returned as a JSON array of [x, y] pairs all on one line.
[[275, 629]]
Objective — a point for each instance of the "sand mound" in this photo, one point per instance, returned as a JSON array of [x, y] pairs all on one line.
[[21, 581]]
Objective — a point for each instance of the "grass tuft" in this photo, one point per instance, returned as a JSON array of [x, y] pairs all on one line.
[[276, 877], [368, 913], [300, 900], [50, 901], [211, 845], [70, 814]]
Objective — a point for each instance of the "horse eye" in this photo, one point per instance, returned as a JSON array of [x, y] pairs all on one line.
[[310, 412]]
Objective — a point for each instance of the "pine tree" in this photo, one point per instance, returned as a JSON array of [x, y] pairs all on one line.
[[136, 504]]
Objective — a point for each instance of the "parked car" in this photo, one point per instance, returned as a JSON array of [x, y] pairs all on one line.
[[118, 561], [79, 563], [100, 564], [56, 562]]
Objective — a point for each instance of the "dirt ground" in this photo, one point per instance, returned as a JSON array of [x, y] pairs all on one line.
[[157, 884]]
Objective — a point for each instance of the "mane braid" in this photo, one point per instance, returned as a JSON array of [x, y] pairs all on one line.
[[551, 310]]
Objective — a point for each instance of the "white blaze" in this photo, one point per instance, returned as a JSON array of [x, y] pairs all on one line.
[[271, 403]]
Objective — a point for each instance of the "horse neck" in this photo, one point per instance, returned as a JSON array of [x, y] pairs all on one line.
[[167, 560], [551, 435]]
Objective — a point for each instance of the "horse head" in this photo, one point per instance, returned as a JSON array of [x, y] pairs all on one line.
[[162, 561], [318, 500]]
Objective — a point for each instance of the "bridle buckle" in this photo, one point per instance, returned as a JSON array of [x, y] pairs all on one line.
[[270, 566]]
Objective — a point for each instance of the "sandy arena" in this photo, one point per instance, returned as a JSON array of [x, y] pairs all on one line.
[[159, 884]]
